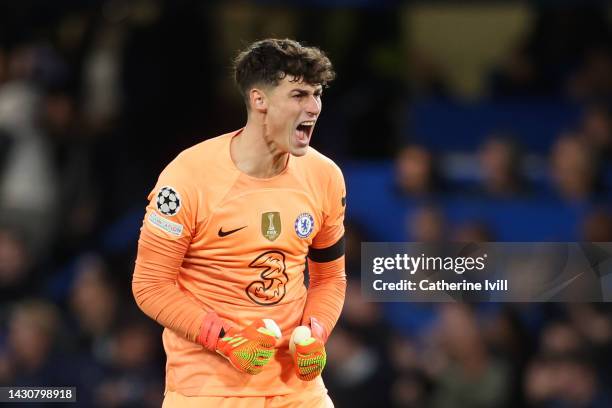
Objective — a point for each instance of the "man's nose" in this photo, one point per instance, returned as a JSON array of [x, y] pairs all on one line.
[[313, 106]]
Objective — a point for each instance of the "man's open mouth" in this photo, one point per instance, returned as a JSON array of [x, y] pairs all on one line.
[[304, 130]]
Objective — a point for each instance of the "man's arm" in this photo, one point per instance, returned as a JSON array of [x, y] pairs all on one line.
[[327, 285], [156, 293], [165, 237], [327, 278]]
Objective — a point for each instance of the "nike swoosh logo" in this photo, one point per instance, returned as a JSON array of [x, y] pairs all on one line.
[[226, 233]]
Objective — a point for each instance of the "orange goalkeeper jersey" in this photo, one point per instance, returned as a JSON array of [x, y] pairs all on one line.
[[244, 243]]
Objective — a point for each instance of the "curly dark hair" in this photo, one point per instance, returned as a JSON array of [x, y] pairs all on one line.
[[268, 61]]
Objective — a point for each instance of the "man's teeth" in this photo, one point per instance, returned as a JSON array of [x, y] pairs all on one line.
[[308, 123]]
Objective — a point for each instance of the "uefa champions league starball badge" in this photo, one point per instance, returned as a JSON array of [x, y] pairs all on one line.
[[168, 201], [304, 224]]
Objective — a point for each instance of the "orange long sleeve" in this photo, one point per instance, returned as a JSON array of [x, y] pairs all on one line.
[[326, 293], [155, 289]]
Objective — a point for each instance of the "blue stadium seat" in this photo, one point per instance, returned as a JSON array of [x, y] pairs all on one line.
[[449, 126]]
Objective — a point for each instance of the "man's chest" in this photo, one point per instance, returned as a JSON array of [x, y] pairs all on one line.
[[284, 219]]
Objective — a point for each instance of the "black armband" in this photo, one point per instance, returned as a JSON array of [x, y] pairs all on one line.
[[327, 254]]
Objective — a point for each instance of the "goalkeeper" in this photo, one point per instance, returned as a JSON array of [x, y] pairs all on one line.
[[229, 228]]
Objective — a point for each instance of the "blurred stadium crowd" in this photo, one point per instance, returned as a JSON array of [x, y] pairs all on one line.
[[96, 97]]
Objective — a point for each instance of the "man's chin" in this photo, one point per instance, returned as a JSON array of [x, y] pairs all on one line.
[[299, 151]]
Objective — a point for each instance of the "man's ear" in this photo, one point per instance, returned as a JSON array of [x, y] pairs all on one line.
[[258, 100]]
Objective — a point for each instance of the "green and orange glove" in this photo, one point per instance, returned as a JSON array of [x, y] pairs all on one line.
[[308, 351], [251, 348]]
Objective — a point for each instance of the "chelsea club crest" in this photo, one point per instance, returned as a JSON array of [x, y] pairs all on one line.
[[304, 224]]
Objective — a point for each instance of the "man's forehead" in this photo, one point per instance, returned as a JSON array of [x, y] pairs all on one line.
[[298, 83]]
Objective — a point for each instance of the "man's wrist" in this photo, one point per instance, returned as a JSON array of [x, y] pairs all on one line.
[[211, 330], [316, 328]]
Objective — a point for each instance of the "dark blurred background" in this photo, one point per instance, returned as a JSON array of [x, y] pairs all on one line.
[[478, 121]]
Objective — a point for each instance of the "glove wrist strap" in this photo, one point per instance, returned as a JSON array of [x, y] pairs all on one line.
[[317, 329], [211, 330]]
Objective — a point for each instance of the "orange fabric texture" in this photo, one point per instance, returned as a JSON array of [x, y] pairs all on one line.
[[155, 289], [325, 294], [307, 399], [236, 245]]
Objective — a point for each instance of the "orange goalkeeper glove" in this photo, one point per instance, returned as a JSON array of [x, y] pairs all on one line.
[[306, 346], [251, 348]]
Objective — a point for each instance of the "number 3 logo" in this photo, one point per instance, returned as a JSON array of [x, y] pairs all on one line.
[[272, 286]]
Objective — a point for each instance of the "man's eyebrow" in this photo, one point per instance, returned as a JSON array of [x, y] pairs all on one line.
[[306, 91]]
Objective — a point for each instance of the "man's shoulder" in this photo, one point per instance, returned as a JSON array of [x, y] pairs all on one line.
[[198, 160], [203, 154], [322, 164], [209, 148]]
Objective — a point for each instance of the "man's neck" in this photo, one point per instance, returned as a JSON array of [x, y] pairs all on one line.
[[254, 155]]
